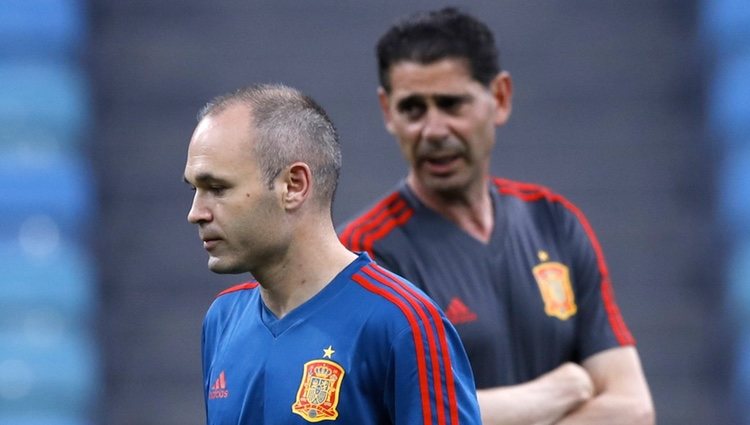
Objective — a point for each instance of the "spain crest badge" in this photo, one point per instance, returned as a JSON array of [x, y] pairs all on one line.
[[553, 279], [318, 393]]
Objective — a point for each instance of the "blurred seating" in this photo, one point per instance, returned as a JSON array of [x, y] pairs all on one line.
[[36, 184], [60, 279], [734, 191], [31, 419], [729, 99], [726, 25], [41, 28], [43, 97], [57, 377], [49, 367]]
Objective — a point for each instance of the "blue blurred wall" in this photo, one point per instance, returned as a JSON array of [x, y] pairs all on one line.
[[726, 36], [49, 365]]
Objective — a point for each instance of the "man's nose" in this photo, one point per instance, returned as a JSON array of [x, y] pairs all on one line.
[[198, 211], [436, 125]]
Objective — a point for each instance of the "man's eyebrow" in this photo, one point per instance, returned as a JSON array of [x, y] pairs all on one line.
[[420, 97], [460, 97], [410, 99], [205, 178]]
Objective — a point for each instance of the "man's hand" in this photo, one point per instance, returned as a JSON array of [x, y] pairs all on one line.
[[576, 379], [621, 394]]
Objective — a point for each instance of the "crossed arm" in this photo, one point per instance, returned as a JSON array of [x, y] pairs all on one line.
[[608, 388]]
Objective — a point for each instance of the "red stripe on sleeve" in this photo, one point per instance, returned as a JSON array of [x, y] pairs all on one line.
[[436, 384], [532, 192], [449, 383], [421, 367], [623, 335]]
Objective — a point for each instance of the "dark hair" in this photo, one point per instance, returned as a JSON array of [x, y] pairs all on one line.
[[428, 37], [290, 126]]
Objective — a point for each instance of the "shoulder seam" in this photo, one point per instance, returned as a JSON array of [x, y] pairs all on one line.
[[530, 192], [391, 212], [525, 191], [240, 287]]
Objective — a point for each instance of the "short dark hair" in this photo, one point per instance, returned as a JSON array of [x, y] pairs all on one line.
[[428, 37], [290, 127]]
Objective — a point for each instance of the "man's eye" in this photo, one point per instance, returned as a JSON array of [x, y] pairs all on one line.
[[449, 104], [217, 190], [411, 109]]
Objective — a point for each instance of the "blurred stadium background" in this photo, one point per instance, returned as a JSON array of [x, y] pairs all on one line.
[[639, 112]]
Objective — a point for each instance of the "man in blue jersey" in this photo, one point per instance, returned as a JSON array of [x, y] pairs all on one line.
[[516, 267], [322, 334]]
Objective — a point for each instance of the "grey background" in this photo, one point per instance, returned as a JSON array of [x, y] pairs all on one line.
[[607, 111]]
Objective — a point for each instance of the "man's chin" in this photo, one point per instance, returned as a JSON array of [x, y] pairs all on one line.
[[447, 185], [222, 267]]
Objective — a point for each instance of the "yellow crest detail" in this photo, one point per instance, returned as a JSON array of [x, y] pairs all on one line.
[[554, 283], [318, 393]]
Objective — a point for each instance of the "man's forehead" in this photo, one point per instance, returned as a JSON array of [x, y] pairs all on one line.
[[233, 115], [229, 129], [455, 66], [219, 144], [446, 77], [218, 167]]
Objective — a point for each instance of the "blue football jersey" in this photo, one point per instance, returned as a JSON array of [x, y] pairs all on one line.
[[370, 348]]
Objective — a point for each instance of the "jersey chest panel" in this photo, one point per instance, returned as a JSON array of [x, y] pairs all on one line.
[[315, 367], [495, 300]]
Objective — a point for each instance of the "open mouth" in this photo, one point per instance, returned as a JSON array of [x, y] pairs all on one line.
[[442, 165]]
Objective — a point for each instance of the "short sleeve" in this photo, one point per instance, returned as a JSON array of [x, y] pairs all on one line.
[[429, 375], [600, 324]]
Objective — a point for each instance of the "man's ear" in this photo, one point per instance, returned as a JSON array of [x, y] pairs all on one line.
[[384, 107], [297, 185], [502, 90]]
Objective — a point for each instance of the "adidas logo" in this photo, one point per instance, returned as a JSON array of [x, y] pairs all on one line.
[[457, 312], [219, 388]]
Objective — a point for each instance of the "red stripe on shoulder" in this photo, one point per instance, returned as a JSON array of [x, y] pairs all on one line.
[[240, 287], [405, 296], [622, 333], [534, 192], [361, 233], [440, 330], [346, 235], [419, 305], [525, 191], [418, 342], [386, 225]]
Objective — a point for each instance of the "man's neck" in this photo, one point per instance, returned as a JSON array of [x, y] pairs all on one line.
[[310, 264], [471, 210]]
